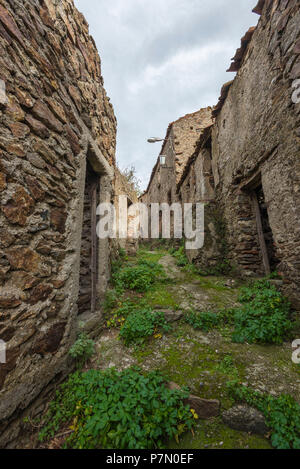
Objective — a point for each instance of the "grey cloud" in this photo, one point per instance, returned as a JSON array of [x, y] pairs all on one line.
[[160, 60]]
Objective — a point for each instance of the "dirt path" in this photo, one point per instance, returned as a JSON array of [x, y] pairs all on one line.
[[204, 361]]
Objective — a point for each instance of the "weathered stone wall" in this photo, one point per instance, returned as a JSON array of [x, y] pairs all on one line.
[[257, 134], [53, 117], [187, 131], [197, 186], [180, 144]]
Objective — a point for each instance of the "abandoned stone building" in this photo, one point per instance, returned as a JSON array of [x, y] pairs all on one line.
[[245, 165], [126, 190], [57, 162]]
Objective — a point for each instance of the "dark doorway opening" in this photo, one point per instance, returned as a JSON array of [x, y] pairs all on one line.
[[89, 245], [266, 228], [264, 231]]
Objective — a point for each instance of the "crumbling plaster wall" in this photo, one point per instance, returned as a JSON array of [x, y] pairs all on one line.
[[257, 130], [54, 114]]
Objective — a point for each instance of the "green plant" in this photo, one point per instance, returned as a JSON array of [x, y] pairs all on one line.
[[141, 324], [125, 410], [264, 315], [110, 301], [202, 321], [82, 350], [122, 254], [227, 366], [282, 414], [180, 256], [140, 277], [117, 317]]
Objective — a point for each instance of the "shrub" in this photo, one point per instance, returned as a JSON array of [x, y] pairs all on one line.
[[142, 324], [282, 414], [111, 300], [83, 349], [264, 315], [125, 410], [202, 321], [139, 277]]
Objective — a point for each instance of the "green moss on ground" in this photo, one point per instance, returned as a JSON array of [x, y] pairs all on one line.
[[213, 434]]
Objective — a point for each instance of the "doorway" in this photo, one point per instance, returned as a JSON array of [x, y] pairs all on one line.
[[89, 245], [273, 261]]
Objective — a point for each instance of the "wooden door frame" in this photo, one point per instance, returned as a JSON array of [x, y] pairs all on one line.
[[94, 250], [250, 187], [260, 232]]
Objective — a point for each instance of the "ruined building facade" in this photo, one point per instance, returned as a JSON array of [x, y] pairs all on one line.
[[246, 166], [57, 162]]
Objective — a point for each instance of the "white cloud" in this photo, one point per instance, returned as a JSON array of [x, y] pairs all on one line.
[[185, 67]]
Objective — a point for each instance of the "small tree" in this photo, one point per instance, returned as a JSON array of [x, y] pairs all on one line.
[[130, 175]]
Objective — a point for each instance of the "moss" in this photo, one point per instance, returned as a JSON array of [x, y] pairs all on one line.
[[213, 434], [163, 297]]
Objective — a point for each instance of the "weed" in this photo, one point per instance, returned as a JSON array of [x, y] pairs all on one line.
[[203, 321], [264, 315], [141, 324], [82, 350], [140, 277], [125, 410]]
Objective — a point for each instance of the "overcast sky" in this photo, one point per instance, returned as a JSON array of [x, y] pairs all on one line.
[[162, 59]]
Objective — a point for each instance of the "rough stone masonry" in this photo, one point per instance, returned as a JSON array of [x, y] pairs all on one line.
[[55, 120]]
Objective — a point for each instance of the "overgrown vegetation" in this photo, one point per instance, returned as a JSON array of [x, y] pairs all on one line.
[[203, 321], [180, 256], [264, 316], [139, 277], [143, 323], [282, 414], [125, 410], [82, 350]]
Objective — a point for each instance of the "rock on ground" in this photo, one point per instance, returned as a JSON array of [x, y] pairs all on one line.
[[246, 419]]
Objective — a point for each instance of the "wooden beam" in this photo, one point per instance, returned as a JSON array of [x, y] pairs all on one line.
[[260, 232]]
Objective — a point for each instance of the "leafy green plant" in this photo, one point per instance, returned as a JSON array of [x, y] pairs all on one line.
[[264, 315], [140, 277], [82, 350], [282, 414], [141, 324], [203, 321], [125, 410]]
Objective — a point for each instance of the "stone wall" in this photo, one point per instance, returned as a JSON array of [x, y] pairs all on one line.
[[256, 140], [180, 144], [197, 186], [54, 116]]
